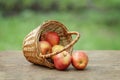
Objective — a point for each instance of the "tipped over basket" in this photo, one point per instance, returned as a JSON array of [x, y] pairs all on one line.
[[31, 48]]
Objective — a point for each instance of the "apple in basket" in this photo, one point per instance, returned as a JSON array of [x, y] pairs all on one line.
[[61, 60], [45, 47], [57, 48], [79, 60], [52, 38]]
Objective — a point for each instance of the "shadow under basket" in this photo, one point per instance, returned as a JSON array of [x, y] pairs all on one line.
[[31, 42]]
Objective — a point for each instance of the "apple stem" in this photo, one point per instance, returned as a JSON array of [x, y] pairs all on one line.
[[64, 54], [81, 62]]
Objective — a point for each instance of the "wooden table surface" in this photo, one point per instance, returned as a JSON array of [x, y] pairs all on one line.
[[103, 65]]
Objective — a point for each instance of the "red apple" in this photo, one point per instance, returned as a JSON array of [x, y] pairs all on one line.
[[52, 38], [45, 47], [62, 60], [79, 60]]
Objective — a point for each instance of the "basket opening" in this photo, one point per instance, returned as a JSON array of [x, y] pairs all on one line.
[[59, 28]]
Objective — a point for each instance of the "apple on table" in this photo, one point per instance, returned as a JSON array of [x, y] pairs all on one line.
[[79, 60], [61, 60]]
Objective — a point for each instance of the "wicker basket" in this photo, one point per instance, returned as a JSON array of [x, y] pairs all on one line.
[[31, 48]]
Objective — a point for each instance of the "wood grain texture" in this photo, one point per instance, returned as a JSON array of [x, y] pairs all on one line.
[[103, 65]]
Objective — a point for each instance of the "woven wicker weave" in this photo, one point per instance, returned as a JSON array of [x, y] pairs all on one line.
[[31, 48]]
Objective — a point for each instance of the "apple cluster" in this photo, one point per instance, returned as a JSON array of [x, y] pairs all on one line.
[[62, 60]]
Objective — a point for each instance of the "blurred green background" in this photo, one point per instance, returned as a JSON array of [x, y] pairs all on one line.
[[98, 21]]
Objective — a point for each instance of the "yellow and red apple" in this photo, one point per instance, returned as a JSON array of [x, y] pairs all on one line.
[[45, 47], [61, 60], [79, 60]]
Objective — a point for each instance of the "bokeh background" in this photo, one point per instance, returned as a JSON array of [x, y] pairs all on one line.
[[98, 21]]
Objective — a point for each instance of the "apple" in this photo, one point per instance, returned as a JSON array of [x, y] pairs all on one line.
[[45, 47], [62, 60], [52, 38], [79, 60], [57, 48]]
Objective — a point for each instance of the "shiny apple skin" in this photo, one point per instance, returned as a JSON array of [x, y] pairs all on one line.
[[79, 60]]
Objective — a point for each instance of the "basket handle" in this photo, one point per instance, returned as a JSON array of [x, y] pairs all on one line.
[[66, 47]]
